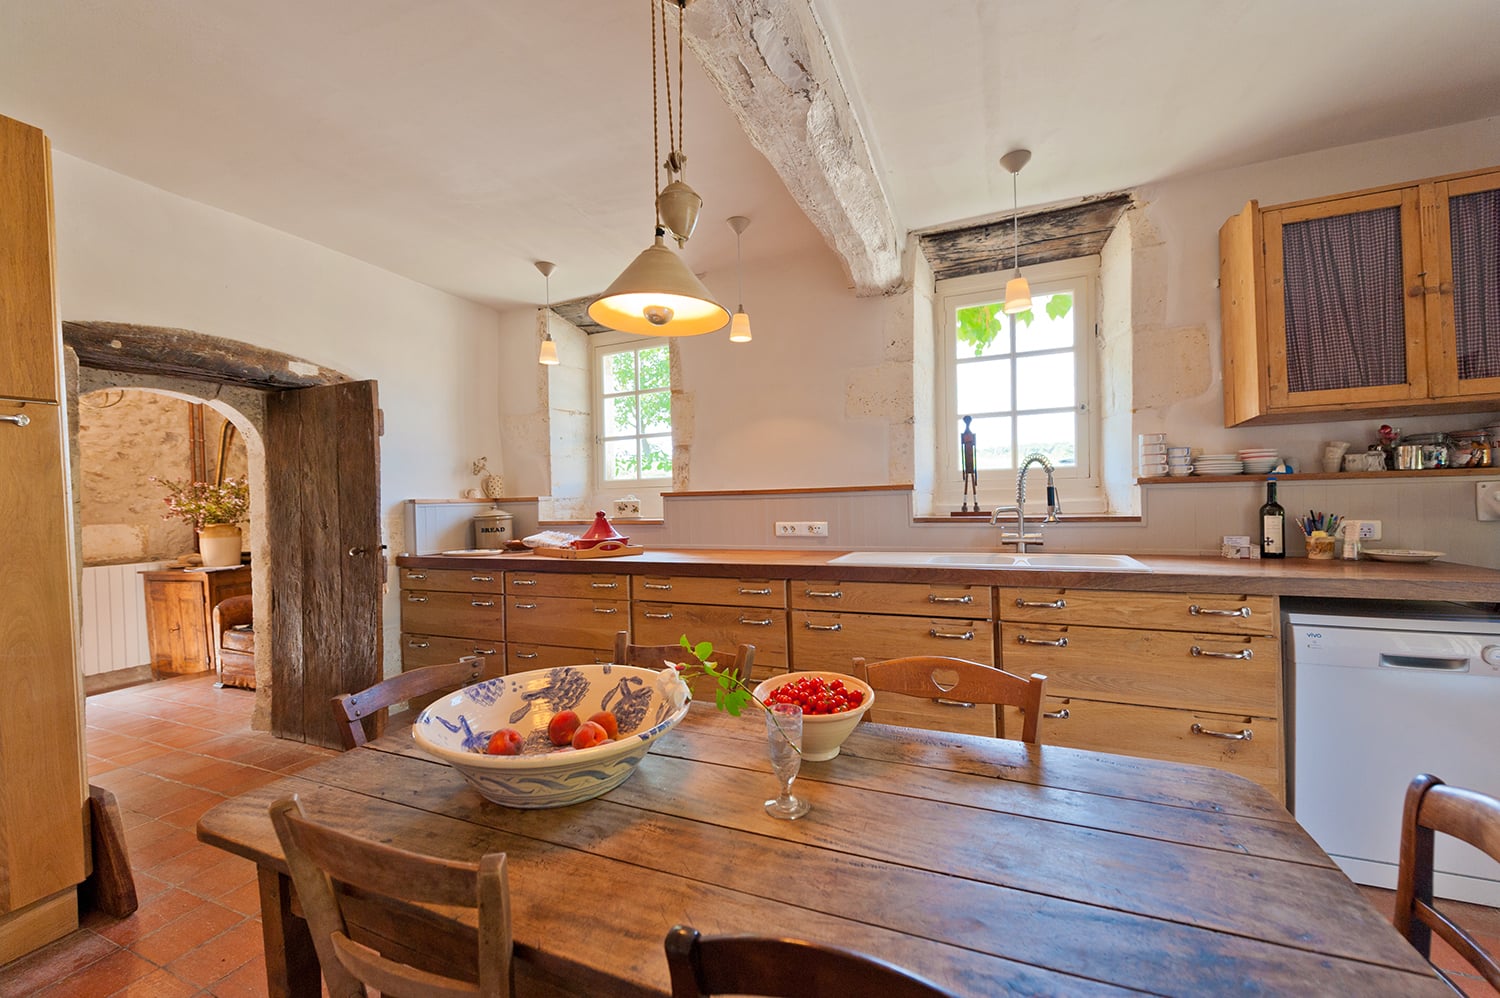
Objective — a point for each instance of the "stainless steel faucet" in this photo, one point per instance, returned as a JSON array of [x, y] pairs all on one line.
[[1054, 506]]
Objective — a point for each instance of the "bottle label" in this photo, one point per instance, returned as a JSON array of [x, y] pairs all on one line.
[[1271, 540]]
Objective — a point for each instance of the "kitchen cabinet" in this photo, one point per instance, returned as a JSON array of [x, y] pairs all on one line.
[[43, 785], [727, 612], [835, 622], [180, 615], [563, 619], [1180, 677], [449, 613], [1366, 304]]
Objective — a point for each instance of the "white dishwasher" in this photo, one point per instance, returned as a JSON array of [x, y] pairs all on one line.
[[1379, 696]]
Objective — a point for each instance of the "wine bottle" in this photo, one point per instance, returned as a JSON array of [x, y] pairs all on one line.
[[1272, 525]]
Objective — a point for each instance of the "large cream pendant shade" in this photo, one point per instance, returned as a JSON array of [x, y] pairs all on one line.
[[658, 296]]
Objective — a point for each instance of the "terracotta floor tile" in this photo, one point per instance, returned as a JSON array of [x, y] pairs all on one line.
[[249, 981], [160, 984], [161, 848], [244, 899], [153, 913], [187, 817], [103, 977], [184, 934], [190, 864], [220, 956], [227, 874], [68, 955]]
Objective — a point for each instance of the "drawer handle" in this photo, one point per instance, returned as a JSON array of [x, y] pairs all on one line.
[[524, 654], [481, 578], [606, 609], [968, 598], [1200, 611], [604, 585], [417, 576], [757, 623], [20, 420], [1057, 715], [952, 703], [525, 606], [1057, 604], [481, 602], [1244, 736], [658, 616], [965, 636], [484, 651], [1243, 654], [832, 594], [753, 592], [1061, 642], [822, 627], [523, 582], [414, 598], [664, 586], [418, 644]]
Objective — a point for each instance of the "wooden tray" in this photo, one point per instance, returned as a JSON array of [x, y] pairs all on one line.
[[602, 551]]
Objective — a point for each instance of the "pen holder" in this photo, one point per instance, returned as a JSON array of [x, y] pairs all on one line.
[[1320, 548]]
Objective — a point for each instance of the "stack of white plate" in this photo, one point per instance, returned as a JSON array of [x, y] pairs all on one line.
[[1217, 464], [1259, 460]]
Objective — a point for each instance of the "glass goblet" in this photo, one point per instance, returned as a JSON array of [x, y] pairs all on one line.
[[784, 737]]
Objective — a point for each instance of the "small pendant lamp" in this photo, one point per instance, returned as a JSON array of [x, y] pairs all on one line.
[[548, 354], [739, 326], [1017, 291]]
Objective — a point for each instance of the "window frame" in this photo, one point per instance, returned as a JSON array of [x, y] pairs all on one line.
[[1084, 492], [600, 346]]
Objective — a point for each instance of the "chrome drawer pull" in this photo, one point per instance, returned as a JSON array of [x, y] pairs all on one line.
[[484, 651], [757, 623], [950, 599], [1244, 736], [416, 576], [1199, 611], [418, 644], [1242, 655], [822, 627], [1022, 639], [658, 616], [481, 578], [753, 592], [1057, 604], [965, 636], [20, 420], [657, 585], [481, 602], [414, 598], [522, 654], [604, 585], [952, 703], [525, 606], [1057, 715], [606, 609], [523, 582], [833, 594]]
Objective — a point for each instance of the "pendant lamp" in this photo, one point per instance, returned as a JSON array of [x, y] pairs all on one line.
[[1017, 291], [739, 326], [657, 295], [548, 354]]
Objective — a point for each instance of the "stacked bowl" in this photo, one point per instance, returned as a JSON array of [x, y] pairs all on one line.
[[1151, 459], [1259, 460], [1179, 461]]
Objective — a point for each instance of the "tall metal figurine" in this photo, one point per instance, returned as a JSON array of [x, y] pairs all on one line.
[[971, 470]]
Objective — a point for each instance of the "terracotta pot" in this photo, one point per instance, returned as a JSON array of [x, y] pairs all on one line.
[[219, 544]]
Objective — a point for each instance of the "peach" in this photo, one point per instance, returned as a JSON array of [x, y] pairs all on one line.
[[606, 719], [560, 729], [589, 734], [506, 741]]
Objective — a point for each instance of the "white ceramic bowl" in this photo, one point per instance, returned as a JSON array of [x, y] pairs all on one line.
[[457, 728], [823, 734]]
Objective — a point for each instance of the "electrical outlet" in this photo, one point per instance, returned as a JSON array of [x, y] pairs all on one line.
[[801, 528], [1487, 500], [1369, 530]]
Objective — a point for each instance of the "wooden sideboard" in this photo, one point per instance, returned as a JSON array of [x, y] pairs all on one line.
[[179, 615]]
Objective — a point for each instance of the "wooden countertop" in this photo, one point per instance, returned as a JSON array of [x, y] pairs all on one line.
[[1439, 580]]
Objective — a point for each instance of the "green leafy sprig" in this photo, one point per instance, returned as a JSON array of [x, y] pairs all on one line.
[[731, 693]]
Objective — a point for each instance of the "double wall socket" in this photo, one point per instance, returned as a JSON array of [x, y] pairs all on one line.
[[1369, 530], [801, 528]]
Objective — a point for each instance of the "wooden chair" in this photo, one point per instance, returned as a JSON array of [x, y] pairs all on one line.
[[352, 710], [790, 968], [657, 657], [1432, 806], [938, 677], [329, 867]]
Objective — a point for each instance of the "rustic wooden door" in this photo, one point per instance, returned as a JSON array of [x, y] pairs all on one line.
[[327, 566]]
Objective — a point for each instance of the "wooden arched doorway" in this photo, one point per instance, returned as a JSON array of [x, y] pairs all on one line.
[[320, 553]]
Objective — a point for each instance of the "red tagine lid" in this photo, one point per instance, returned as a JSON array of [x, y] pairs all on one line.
[[602, 529]]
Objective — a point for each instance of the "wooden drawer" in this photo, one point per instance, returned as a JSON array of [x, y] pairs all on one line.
[[452, 580], [1153, 668], [1218, 613], [524, 658], [1158, 733], [570, 623], [468, 615], [418, 650], [895, 597], [832, 640], [720, 592], [593, 586], [725, 626]]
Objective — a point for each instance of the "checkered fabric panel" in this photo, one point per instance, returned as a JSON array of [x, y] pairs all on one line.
[[1474, 222], [1345, 318]]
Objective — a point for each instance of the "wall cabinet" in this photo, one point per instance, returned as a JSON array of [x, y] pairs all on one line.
[[1181, 677], [1363, 305], [180, 615]]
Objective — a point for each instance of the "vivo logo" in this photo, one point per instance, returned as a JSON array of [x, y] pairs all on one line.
[[1313, 634]]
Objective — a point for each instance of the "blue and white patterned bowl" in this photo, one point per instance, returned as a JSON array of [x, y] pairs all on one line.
[[457, 728]]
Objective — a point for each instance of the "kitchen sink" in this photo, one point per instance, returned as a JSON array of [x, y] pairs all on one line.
[[996, 559]]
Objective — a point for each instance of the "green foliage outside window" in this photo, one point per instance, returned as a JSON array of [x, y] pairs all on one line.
[[638, 413], [978, 325]]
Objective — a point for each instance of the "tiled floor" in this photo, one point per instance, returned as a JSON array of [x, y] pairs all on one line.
[[171, 750]]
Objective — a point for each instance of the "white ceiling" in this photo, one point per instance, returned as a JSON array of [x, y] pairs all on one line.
[[456, 141]]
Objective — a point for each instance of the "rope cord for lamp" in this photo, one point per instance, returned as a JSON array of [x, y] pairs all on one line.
[[655, 142]]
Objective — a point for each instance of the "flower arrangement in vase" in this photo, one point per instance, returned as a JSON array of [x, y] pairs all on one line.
[[214, 510]]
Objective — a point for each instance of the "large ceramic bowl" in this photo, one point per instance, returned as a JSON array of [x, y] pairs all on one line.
[[823, 734], [457, 728]]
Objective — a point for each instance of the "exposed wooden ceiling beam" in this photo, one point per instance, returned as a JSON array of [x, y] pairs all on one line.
[[123, 346], [1055, 234]]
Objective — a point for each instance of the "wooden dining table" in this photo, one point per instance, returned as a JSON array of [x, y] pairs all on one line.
[[988, 866]]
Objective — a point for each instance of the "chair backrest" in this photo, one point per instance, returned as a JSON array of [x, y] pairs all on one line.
[[1432, 806], [232, 612], [937, 676], [325, 861], [657, 657], [351, 711], [790, 968]]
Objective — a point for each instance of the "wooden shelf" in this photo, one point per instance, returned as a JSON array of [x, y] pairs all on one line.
[[1324, 476]]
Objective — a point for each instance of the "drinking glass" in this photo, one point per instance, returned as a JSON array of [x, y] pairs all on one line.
[[784, 736]]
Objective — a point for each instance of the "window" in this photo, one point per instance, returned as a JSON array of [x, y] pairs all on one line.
[[633, 407], [1026, 381]]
